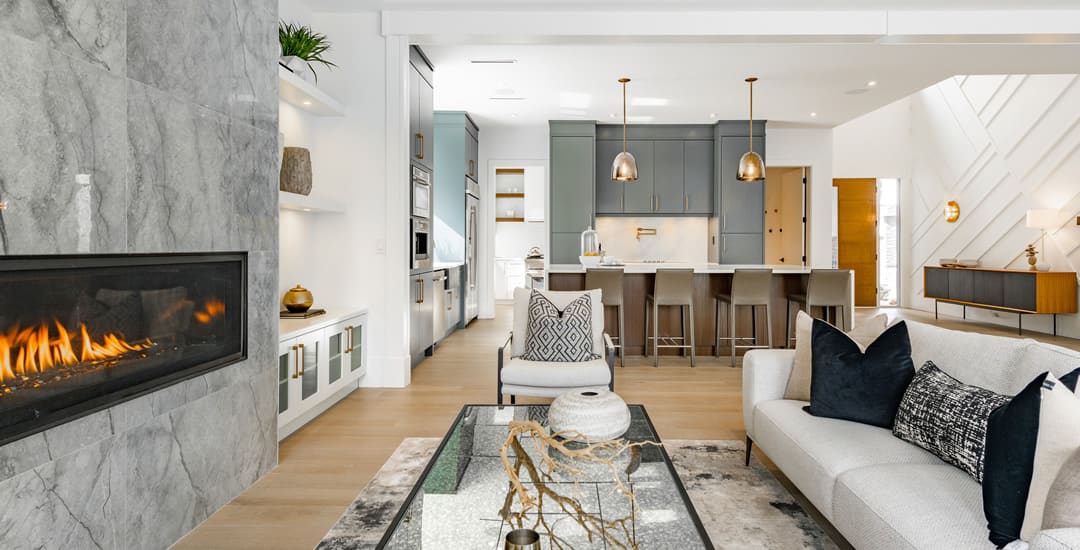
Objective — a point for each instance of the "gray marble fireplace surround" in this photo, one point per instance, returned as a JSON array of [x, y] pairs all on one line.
[[170, 106]]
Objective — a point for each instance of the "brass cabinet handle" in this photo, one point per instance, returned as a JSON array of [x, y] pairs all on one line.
[[296, 362], [348, 336], [686, 202], [419, 289], [420, 149], [300, 359], [472, 167]]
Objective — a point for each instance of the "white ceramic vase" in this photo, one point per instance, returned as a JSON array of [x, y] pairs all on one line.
[[595, 414], [298, 66]]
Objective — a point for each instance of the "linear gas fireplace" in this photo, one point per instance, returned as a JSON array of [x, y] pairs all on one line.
[[80, 333]]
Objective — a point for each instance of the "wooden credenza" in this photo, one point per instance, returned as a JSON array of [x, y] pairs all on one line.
[[1014, 291]]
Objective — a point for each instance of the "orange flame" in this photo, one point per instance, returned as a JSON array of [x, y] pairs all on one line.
[[35, 349], [213, 308]]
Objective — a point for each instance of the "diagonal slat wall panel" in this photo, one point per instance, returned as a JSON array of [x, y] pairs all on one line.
[[998, 145]]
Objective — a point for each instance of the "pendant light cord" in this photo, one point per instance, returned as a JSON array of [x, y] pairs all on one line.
[[751, 116], [624, 117]]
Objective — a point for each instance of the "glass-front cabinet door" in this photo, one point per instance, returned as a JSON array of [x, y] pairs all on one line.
[[357, 365], [336, 353], [311, 350], [288, 377]]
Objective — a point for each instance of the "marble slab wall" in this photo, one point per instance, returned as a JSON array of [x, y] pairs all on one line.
[[170, 106]]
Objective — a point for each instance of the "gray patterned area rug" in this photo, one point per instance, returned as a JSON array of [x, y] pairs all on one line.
[[744, 508]]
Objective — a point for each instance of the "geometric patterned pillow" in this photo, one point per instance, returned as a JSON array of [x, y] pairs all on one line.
[[948, 418], [556, 336]]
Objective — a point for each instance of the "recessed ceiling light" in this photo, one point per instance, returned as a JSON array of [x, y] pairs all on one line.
[[493, 61], [712, 115], [871, 84], [513, 115], [813, 114], [611, 115], [306, 102]]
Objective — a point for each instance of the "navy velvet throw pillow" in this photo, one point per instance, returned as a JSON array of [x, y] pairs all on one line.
[[849, 384]]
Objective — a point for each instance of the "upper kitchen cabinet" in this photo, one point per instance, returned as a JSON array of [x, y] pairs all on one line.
[[742, 203], [675, 171], [421, 109], [572, 184], [456, 145]]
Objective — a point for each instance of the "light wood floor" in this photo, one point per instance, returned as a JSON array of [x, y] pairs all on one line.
[[325, 465]]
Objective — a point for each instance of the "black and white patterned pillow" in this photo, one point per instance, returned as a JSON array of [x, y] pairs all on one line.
[[948, 418], [559, 336]]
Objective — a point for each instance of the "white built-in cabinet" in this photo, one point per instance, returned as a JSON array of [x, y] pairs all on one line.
[[320, 361]]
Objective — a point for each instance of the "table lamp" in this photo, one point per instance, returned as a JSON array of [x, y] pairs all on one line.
[[1042, 219]]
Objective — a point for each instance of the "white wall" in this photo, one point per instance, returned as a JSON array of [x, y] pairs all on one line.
[[343, 258], [505, 146], [998, 145], [811, 147]]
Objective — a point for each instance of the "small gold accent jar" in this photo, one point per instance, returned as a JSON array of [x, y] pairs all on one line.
[[298, 299]]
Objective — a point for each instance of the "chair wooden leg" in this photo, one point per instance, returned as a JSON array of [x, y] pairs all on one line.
[[682, 328]]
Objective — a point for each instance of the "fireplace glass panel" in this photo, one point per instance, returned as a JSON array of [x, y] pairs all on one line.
[[79, 333]]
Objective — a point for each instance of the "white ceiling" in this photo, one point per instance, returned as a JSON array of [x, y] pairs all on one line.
[[685, 83]]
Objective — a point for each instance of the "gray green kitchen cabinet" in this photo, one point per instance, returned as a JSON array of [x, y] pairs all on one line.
[[639, 196], [742, 248], [742, 204], [609, 193], [455, 140], [572, 186], [668, 185], [698, 179]]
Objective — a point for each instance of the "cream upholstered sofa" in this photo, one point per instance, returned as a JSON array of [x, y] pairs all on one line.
[[877, 490], [517, 376]]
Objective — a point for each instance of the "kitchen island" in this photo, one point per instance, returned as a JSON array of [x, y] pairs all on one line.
[[709, 280]]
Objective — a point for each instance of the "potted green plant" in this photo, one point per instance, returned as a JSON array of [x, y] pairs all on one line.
[[300, 47]]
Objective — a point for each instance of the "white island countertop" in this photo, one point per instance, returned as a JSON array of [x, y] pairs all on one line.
[[651, 267]]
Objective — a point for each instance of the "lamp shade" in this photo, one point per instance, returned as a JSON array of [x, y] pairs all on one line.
[[751, 167], [1042, 218], [624, 168]]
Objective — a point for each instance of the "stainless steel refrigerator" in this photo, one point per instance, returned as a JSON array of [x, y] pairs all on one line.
[[472, 245]]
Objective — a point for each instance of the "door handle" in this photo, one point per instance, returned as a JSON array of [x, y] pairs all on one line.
[[472, 167], [686, 202], [348, 339], [725, 243], [420, 148], [725, 221], [296, 362], [300, 359], [657, 200]]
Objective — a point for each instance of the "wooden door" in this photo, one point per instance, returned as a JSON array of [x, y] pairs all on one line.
[[857, 235]]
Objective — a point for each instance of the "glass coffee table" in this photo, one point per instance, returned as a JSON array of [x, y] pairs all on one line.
[[456, 502]]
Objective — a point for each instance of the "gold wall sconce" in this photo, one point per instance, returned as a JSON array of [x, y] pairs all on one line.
[[952, 211], [643, 231]]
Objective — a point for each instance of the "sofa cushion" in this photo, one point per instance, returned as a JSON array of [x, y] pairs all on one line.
[[1056, 539], [909, 506], [562, 336], [561, 299], [1039, 358], [798, 386], [812, 451], [948, 418], [1028, 441], [850, 384], [520, 372], [1063, 500], [977, 359]]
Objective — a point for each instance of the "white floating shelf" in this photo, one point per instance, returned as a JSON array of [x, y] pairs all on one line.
[[304, 95], [301, 203]]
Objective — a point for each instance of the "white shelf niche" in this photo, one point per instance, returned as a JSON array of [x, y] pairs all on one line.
[[304, 95]]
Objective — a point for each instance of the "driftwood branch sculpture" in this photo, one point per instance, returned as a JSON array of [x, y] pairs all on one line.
[[618, 533]]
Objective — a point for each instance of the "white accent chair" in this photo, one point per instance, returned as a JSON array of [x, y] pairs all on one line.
[[517, 376]]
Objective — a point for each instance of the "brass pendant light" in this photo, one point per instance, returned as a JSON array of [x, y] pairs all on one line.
[[751, 167], [624, 168]]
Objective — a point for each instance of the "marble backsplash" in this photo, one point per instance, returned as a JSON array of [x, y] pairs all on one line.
[[676, 239], [170, 108]]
